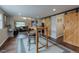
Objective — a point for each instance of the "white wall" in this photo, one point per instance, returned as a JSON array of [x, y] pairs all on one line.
[[3, 33], [57, 26], [53, 27], [60, 21], [11, 22], [3, 36]]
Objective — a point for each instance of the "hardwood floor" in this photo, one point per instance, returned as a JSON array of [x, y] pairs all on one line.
[[9, 46], [60, 41]]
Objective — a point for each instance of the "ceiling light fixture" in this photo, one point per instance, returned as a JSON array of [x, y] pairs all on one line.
[[54, 9]]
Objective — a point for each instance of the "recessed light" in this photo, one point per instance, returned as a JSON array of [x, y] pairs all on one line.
[[54, 9]]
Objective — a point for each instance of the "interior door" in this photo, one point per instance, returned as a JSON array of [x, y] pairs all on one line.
[[67, 28], [77, 42], [71, 28]]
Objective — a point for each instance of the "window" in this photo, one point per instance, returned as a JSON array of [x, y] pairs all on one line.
[[1, 21], [19, 24]]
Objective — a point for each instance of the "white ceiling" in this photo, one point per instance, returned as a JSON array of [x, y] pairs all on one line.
[[36, 11]]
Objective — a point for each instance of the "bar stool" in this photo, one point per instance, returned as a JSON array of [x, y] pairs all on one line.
[[31, 36]]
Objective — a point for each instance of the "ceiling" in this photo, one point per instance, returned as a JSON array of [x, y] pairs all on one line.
[[36, 11]]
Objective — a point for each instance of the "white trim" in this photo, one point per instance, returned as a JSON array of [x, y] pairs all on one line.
[[59, 36], [3, 42], [56, 37]]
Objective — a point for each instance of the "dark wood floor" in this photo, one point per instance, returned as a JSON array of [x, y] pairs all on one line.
[[9, 46], [60, 41]]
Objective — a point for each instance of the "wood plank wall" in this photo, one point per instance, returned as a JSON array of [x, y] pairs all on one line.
[[47, 23]]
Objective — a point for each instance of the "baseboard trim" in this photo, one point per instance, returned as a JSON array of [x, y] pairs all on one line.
[[3, 42], [59, 36]]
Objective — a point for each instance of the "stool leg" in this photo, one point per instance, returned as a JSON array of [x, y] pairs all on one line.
[[29, 44], [35, 39]]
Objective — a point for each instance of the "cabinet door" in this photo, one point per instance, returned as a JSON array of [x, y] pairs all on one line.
[[71, 28]]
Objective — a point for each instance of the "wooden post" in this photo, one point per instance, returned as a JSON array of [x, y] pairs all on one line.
[[37, 40], [46, 37]]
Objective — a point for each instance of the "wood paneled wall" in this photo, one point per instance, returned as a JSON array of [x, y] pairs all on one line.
[[47, 23], [71, 28]]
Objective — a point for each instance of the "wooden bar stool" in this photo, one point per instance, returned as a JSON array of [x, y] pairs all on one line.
[[31, 36]]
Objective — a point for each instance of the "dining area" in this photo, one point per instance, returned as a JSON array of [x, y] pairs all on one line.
[[39, 44], [34, 34]]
